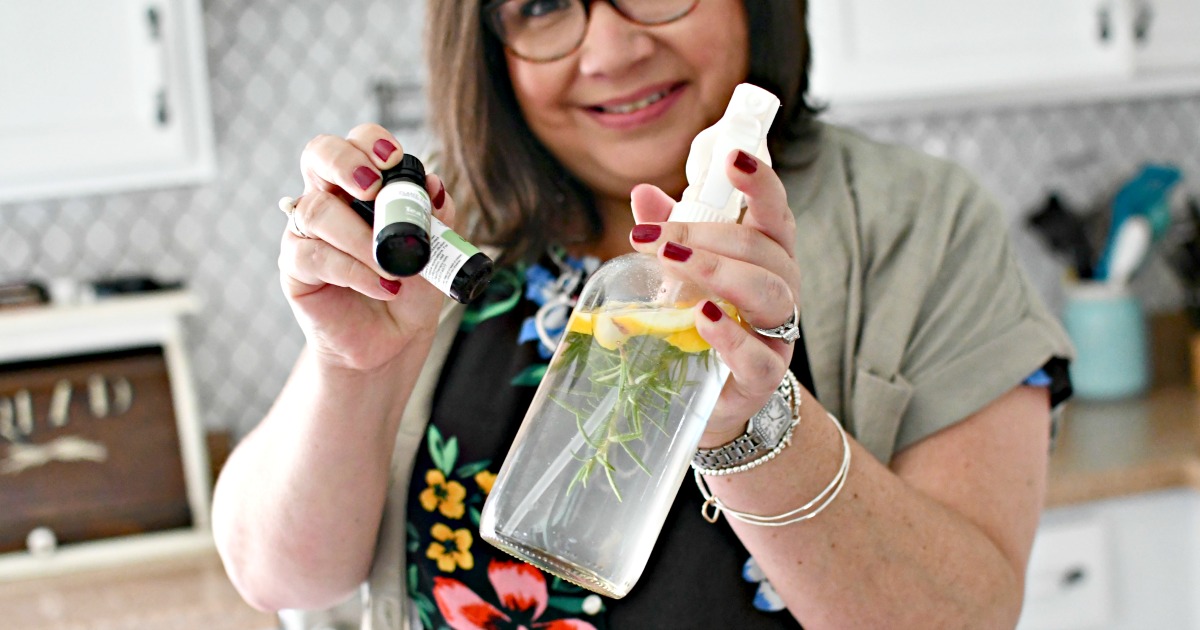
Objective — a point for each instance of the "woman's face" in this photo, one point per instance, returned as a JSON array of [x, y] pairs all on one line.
[[623, 108]]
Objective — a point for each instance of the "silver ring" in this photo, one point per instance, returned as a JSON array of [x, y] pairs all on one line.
[[287, 205], [788, 331]]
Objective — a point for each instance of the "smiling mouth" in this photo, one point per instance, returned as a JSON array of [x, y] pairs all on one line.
[[629, 108]]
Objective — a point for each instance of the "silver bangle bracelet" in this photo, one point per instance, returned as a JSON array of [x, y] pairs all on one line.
[[713, 507]]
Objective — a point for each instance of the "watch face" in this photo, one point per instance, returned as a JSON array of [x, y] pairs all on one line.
[[770, 423]]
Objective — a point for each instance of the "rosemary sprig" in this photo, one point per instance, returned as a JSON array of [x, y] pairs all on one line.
[[647, 373]]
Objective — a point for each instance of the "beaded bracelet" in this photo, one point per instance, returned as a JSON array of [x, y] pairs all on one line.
[[802, 513]]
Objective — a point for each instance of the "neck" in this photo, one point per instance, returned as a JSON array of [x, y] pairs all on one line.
[[614, 240]]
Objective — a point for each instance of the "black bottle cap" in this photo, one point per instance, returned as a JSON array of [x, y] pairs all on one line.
[[409, 169]]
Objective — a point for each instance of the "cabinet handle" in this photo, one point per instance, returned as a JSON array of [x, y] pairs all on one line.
[[1072, 577], [154, 26], [1142, 22], [1104, 17]]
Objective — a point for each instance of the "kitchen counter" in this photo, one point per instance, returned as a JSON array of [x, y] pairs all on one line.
[[1120, 448], [185, 593], [1104, 450]]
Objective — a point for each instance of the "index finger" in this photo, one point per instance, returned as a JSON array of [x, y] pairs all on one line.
[[767, 209], [377, 143], [334, 165]]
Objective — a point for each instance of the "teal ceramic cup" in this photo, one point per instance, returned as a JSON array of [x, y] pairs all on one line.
[[1108, 328]]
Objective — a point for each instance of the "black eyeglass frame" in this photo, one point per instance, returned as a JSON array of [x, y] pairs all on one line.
[[491, 18]]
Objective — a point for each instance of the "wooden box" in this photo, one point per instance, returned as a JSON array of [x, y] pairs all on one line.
[[100, 443]]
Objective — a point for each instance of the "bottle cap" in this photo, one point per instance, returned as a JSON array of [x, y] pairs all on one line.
[[710, 196], [409, 169]]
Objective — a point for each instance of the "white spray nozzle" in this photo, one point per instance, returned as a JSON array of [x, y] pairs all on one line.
[[710, 196]]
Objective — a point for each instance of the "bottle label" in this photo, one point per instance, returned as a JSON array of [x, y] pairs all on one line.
[[448, 252], [402, 202]]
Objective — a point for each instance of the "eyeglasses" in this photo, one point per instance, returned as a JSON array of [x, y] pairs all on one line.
[[547, 30]]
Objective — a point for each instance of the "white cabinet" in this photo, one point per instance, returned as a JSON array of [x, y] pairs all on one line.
[[879, 55], [1120, 564], [1167, 36], [102, 96]]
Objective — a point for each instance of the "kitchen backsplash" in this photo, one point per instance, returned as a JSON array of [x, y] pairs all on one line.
[[284, 71]]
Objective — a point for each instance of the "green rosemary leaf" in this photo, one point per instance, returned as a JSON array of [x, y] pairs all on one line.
[[591, 441], [612, 482], [637, 460]]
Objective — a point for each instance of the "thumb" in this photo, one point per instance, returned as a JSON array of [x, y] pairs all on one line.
[[650, 204]]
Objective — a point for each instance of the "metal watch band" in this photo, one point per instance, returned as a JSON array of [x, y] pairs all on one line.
[[728, 455], [748, 446]]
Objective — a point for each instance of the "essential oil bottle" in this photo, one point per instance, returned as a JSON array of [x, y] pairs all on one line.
[[403, 219], [455, 266]]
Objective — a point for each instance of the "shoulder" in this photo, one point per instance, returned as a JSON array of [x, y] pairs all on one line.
[[890, 179]]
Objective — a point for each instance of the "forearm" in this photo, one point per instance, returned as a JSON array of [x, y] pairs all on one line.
[[297, 508], [884, 553]]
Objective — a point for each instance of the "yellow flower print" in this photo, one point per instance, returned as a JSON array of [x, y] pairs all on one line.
[[446, 496], [454, 549], [485, 480]]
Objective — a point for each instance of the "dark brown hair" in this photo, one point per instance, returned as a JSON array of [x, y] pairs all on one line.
[[511, 191]]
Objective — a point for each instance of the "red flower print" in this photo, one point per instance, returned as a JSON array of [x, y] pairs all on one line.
[[519, 585], [521, 590]]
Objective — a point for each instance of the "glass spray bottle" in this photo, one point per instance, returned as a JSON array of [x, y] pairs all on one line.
[[607, 440]]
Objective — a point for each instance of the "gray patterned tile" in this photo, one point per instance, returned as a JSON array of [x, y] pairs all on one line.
[[283, 71]]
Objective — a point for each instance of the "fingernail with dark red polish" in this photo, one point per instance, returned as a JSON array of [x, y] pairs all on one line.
[[712, 311], [384, 149], [364, 177], [646, 233], [391, 286], [439, 197], [675, 251], [745, 163]]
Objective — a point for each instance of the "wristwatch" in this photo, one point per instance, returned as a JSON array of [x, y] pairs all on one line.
[[765, 431]]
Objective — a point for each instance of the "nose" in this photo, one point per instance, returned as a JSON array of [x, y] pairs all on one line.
[[612, 44]]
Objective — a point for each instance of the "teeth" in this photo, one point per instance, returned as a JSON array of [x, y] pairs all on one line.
[[636, 105]]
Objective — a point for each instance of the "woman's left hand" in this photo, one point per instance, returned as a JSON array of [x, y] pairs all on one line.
[[751, 265]]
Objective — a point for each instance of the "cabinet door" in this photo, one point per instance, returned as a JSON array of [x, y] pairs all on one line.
[[101, 96], [878, 50], [1128, 563], [1167, 34]]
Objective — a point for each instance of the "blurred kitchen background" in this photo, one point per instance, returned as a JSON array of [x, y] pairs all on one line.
[[281, 72], [1084, 94]]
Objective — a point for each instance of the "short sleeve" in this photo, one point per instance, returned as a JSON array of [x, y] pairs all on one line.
[[980, 327]]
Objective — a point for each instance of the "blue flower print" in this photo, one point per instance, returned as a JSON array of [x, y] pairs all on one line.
[[766, 599]]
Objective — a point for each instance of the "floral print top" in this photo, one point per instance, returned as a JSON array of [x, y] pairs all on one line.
[[699, 575]]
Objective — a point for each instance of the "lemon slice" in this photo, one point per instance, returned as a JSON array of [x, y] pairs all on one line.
[[688, 341], [607, 333], [580, 323], [656, 322]]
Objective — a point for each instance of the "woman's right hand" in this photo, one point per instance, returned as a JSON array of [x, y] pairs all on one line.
[[354, 314]]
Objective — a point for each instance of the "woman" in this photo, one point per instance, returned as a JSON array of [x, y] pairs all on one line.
[[556, 117]]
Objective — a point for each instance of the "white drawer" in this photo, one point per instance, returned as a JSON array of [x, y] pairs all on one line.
[[1069, 582]]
